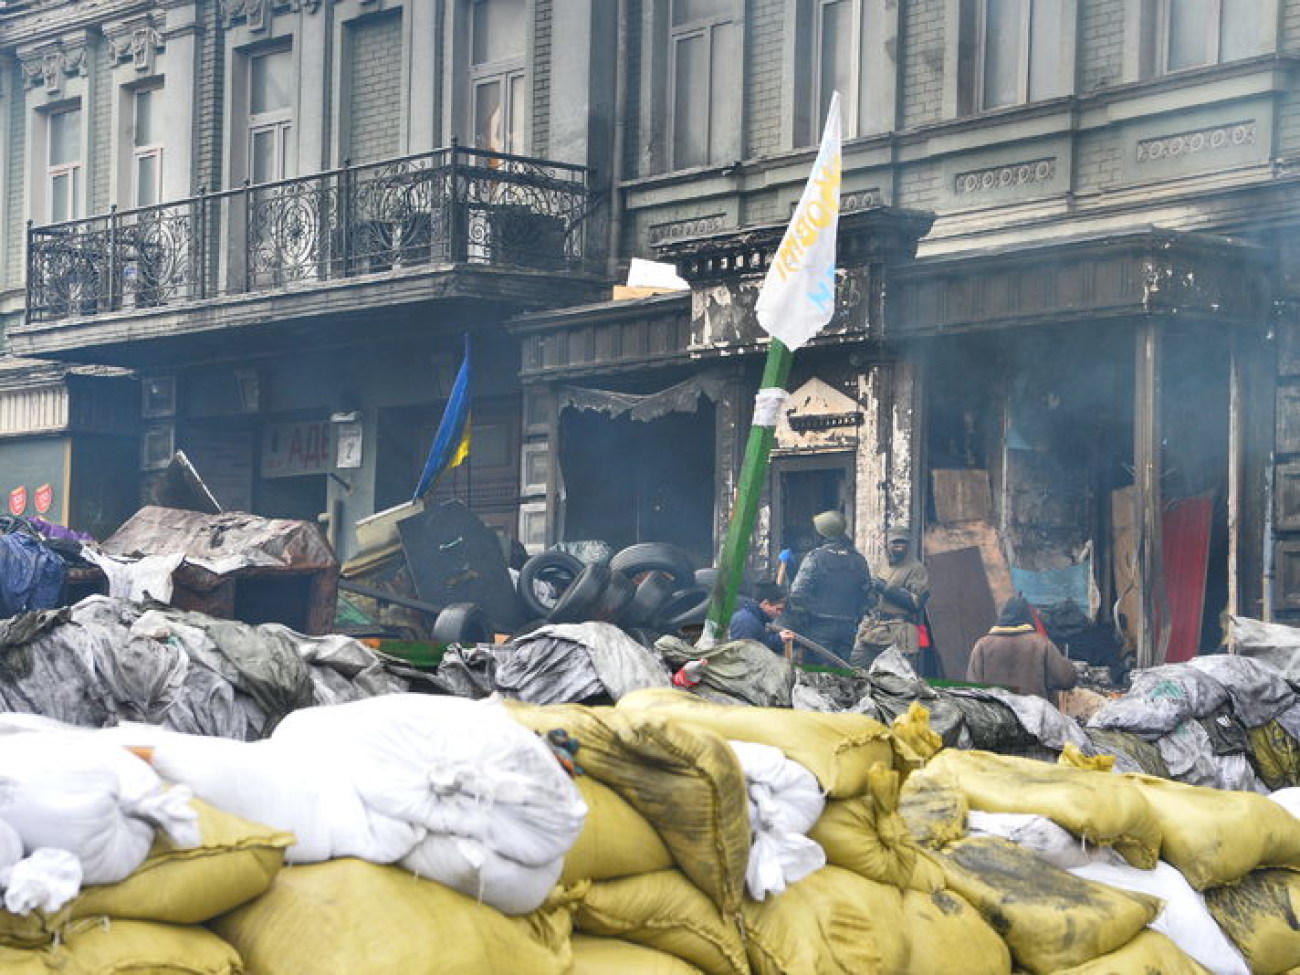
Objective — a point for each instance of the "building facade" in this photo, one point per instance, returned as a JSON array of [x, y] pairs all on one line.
[[1066, 332]]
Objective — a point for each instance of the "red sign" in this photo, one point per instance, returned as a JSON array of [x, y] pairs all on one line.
[[44, 498], [292, 449], [18, 501]]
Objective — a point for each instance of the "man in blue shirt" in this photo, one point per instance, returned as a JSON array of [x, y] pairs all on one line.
[[753, 616]]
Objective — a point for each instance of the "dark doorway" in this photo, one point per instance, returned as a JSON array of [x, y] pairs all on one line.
[[629, 481], [802, 487]]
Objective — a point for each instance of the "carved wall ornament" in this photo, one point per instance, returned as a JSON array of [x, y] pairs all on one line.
[[1229, 136], [48, 64], [694, 227], [1010, 176], [256, 14], [134, 42]]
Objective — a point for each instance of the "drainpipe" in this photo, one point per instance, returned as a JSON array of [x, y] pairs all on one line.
[[620, 122]]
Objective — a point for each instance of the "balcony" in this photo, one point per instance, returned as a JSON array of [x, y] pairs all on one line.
[[406, 219]]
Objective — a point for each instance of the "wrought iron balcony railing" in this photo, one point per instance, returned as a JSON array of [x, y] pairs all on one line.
[[451, 206]]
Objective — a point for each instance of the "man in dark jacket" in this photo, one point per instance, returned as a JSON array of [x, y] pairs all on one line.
[[829, 594], [753, 617], [1014, 654]]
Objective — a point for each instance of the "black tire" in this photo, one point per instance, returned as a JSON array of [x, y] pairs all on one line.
[[551, 570], [615, 599], [582, 598], [656, 557], [684, 608], [707, 578], [462, 623], [651, 594]]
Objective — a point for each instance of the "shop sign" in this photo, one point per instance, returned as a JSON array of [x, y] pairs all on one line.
[[44, 498], [297, 448], [18, 501]]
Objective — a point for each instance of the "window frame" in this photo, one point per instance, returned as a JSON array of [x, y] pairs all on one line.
[[73, 169], [849, 97], [706, 28], [278, 121], [151, 150], [505, 72]]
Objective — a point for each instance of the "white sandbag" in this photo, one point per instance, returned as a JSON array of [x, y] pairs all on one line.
[[785, 800], [1185, 920], [55, 795], [44, 881], [1288, 799], [451, 765], [283, 787], [1055, 844], [11, 851], [473, 869]]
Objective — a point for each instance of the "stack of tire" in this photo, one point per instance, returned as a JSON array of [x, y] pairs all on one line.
[[647, 589]]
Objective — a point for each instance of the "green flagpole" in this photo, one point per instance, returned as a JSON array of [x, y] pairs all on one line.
[[753, 471]]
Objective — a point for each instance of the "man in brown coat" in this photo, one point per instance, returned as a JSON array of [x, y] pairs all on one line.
[[1014, 654]]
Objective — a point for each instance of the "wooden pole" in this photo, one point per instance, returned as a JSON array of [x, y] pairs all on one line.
[[753, 474]]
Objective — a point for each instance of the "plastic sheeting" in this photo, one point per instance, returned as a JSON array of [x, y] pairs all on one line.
[[1273, 643], [738, 672], [31, 576], [575, 661]]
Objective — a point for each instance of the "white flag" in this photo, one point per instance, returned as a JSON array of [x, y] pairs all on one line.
[[798, 295]]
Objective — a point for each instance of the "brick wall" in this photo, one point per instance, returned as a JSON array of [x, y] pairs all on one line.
[[920, 187], [764, 96], [541, 82], [100, 136], [375, 88], [1101, 53], [211, 83], [1098, 162], [15, 148], [923, 41]]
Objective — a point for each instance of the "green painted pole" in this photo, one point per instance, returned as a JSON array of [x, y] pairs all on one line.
[[753, 472]]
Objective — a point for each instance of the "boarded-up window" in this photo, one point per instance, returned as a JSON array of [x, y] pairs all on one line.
[[375, 88]]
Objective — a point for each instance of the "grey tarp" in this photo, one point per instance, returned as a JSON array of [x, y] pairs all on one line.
[[1160, 699], [1258, 691], [1132, 753], [738, 671], [1274, 643], [577, 661], [1037, 717]]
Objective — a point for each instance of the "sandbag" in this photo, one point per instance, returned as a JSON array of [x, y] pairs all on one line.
[[234, 862], [1276, 755], [1150, 953], [664, 911], [914, 739], [1104, 809], [45, 881], [934, 808], [603, 956], [830, 923], [837, 748], [350, 917], [785, 801], [93, 947], [868, 836], [1217, 837], [1259, 914], [1049, 919], [947, 935], [686, 782], [478, 871], [616, 840]]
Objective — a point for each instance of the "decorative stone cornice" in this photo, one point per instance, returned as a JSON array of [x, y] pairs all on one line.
[[135, 41], [1006, 177], [1229, 136], [256, 14], [47, 64]]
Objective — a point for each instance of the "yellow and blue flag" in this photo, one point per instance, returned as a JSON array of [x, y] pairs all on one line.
[[451, 442]]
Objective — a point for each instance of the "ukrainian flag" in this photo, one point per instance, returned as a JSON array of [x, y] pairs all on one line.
[[451, 443]]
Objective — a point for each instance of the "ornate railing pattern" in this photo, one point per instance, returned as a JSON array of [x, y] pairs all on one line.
[[450, 206]]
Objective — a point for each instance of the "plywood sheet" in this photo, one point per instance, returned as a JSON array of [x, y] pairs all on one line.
[[1124, 561], [961, 608], [962, 495], [980, 535]]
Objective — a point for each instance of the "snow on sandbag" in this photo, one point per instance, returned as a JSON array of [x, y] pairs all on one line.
[[1185, 920], [478, 871], [947, 935], [1056, 845], [664, 911], [96, 947], [1216, 837], [98, 804], [866, 834], [44, 881], [784, 802], [1259, 914], [1050, 919], [449, 765], [616, 840], [348, 917], [1150, 953], [600, 956], [294, 790]]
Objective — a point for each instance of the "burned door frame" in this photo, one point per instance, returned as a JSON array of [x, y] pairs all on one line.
[[841, 459]]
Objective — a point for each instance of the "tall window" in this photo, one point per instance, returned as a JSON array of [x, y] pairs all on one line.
[[270, 115], [498, 95], [146, 148], [63, 161], [705, 42], [837, 37], [1016, 59], [1194, 33]]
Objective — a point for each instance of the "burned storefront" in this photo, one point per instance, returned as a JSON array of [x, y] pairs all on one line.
[[637, 411], [1097, 421]]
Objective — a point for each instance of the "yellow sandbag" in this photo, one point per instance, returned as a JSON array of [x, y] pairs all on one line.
[[664, 911], [1259, 914], [839, 749], [686, 782], [1150, 953], [934, 808], [1276, 754], [1105, 809], [616, 840], [914, 736], [1074, 757], [1050, 919], [832, 922], [868, 836], [947, 935], [350, 917], [94, 946], [1215, 836], [605, 956], [234, 862]]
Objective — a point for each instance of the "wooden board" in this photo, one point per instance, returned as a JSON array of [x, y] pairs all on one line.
[[980, 535], [962, 495], [1124, 564], [961, 607]]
